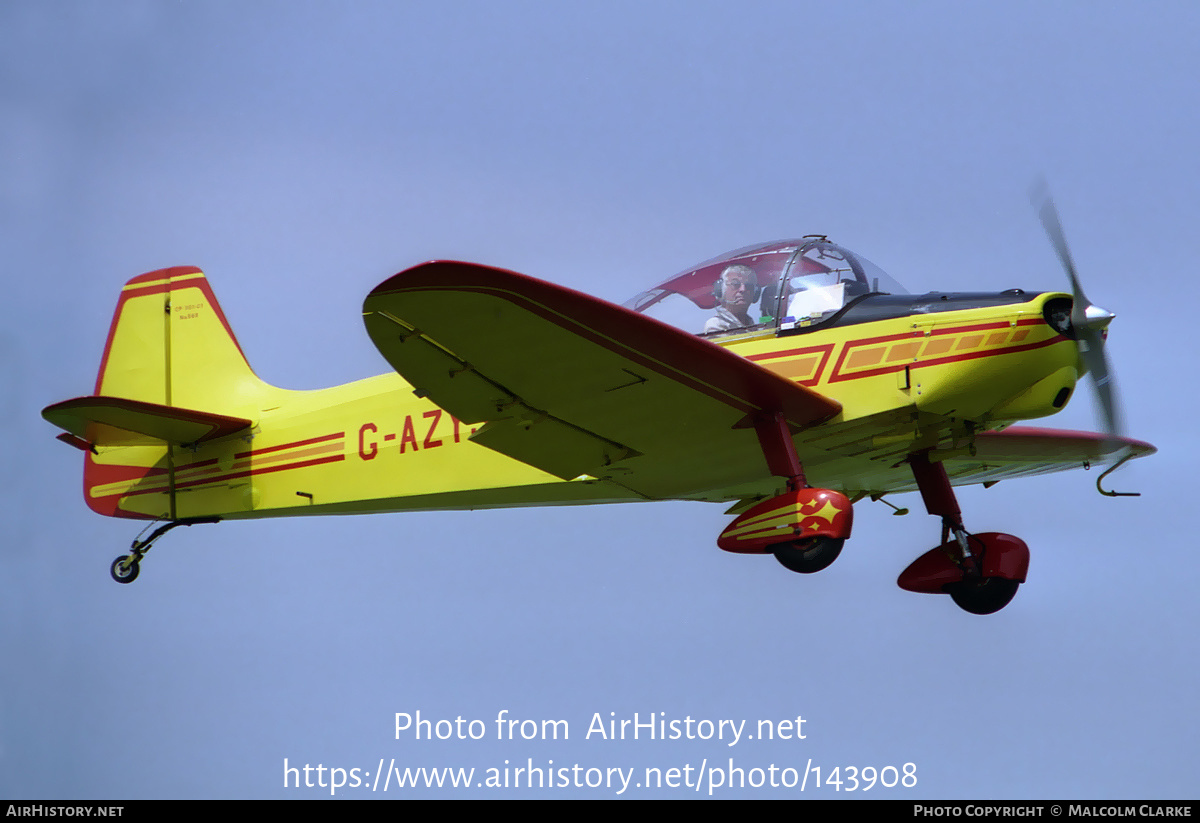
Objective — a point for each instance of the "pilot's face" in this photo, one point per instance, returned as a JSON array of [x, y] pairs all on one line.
[[739, 293]]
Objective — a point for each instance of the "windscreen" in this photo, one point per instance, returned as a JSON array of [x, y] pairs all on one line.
[[784, 285]]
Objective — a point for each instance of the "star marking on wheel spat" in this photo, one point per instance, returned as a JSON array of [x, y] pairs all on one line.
[[827, 513]]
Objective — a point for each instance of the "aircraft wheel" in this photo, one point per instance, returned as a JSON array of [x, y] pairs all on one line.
[[808, 556], [986, 596], [127, 574]]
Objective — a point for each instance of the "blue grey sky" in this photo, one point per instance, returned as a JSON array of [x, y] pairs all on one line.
[[302, 152]]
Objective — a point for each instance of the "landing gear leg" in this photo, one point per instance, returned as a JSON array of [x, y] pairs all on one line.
[[803, 527], [980, 572], [125, 568], [940, 500]]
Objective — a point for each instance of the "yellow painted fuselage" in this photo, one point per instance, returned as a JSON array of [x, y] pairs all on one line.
[[924, 381]]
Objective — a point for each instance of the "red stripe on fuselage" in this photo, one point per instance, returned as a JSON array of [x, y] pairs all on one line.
[[102, 474], [316, 461], [190, 484], [838, 377], [292, 445], [825, 351]]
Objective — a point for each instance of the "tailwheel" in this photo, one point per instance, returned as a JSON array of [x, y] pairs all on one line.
[[808, 556], [986, 595], [125, 569]]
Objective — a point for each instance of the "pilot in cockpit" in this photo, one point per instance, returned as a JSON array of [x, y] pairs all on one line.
[[736, 290]]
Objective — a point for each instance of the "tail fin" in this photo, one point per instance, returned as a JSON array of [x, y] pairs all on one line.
[[172, 373], [170, 344]]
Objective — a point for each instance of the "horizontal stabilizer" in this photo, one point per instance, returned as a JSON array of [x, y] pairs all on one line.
[[117, 421]]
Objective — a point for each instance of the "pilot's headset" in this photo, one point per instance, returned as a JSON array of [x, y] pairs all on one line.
[[747, 273]]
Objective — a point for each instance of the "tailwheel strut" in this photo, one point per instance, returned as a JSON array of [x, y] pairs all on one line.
[[804, 528], [125, 568], [980, 572]]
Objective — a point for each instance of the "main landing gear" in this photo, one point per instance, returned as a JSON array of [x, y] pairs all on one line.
[[804, 527], [980, 572], [125, 568]]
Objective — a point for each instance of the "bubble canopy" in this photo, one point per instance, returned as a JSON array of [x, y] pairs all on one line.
[[789, 284]]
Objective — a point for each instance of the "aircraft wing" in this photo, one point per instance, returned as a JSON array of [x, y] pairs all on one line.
[[578, 386], [1017, 451], [1021, 451]]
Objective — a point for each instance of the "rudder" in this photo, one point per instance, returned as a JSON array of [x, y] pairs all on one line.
[[170, 343]]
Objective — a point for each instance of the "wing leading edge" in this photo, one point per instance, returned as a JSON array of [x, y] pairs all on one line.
[[577, 386]]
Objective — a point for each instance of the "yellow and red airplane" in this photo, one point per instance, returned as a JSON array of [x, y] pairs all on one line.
[[790, 379]]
